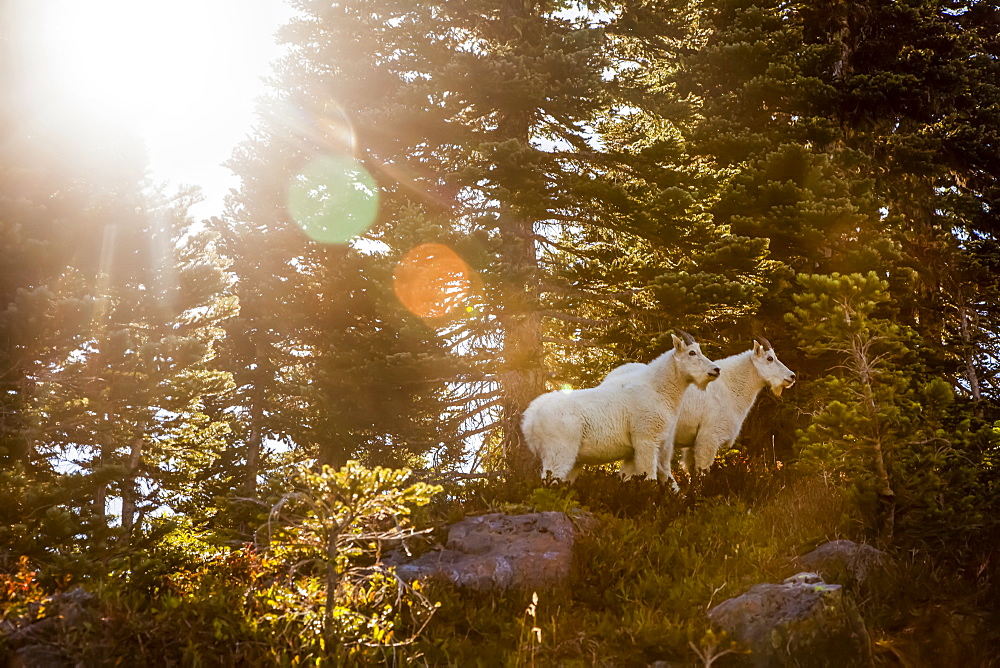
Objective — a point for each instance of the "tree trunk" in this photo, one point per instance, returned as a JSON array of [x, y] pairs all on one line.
[[101, 500], [521, 376], [886, 495], [101, 493], [254, 442], [130, 491], [968, 353], [16, 430]]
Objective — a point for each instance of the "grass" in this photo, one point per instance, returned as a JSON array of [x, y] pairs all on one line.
[[644, 578]]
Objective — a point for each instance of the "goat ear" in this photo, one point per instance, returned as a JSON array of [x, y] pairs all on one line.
[[678, 342], [757, 348]]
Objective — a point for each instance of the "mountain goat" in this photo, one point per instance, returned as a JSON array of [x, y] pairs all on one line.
[[711, 419], [631, 421]]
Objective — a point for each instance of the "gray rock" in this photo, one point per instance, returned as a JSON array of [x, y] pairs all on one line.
[[33, 640], [39, 656], [800, 622], [843, 561], [498, 551]]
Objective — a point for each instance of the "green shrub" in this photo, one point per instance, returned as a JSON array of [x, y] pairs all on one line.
[[646, 575], [187, 601]]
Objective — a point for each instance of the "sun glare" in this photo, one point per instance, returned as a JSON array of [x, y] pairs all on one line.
[[180, 74], [432, 281], [334, 199]]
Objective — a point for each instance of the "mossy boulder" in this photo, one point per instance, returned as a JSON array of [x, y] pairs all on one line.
[[801, 622], [33, 639], [844, 562], [498, 551]]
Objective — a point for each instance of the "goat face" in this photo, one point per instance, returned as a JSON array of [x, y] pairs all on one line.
[[692, 364], [775, 374]]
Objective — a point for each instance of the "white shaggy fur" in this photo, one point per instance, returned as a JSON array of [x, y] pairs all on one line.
[[713, 418], [632, 421]]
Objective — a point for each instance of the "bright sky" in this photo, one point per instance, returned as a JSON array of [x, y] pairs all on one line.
[[181, 74]]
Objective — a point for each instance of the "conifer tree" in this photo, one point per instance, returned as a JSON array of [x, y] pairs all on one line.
[[322, 356], [866, 407], [518, 135], [107, 321], [127, 403], [737, 101], [854, 131], [917, 88], [31, 196], [880, 421]]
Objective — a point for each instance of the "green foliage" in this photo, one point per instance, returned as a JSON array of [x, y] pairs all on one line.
[[644, 576], [336, 525], [880, 420], [186, 595], [552, 498], [643, 579], [605, 171]]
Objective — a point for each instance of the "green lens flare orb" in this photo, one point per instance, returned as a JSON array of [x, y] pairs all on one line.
[[333, 199]]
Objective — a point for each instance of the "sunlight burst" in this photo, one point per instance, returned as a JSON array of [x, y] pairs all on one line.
[[181, 75]]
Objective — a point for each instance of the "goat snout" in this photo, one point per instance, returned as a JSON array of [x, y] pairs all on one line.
[[791, 380], [714, 372]]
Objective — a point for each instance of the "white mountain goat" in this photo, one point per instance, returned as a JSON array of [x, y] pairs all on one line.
[[712, 418], [631, 421]]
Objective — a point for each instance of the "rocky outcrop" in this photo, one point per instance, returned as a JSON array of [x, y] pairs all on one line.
[[843, 562], [498, 551], [800, 622], [29, 640]]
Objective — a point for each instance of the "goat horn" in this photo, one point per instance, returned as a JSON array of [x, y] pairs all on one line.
[[764, 342], [688, 339]]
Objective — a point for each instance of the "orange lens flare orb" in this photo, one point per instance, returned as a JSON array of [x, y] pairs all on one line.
[[333, 199], [432, 281]]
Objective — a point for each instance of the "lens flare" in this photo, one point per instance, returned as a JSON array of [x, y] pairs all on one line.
[[333, 199], [432, 281], [335, 128]]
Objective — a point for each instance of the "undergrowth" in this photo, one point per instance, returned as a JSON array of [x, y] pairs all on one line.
[[645, 574]]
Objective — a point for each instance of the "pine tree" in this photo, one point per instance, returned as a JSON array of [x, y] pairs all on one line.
[[880, 421], [126, 404], [854, 133], [864, 410], [107, 324], [473, 121], [746, 185], [917, 85], [323, 357], [54, 199]]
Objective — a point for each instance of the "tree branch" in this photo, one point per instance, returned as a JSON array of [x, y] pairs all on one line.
[[475, 432], [578, 343], [566, 317]]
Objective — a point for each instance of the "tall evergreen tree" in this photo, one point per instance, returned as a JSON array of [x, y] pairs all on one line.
[[917, 90], [107, 322], [881, 422], [517, 135], [34, 198], [323, 358], [126, 404], [848, 126]]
